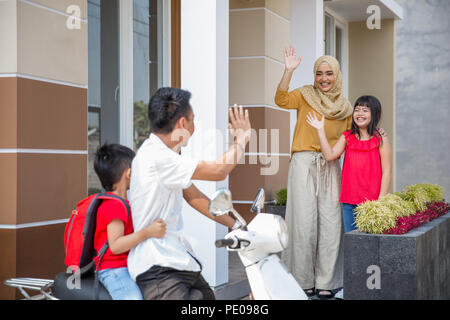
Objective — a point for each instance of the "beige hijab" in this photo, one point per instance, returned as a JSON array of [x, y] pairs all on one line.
[[332, 104]]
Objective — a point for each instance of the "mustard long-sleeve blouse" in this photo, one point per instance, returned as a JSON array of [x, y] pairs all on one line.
[[305, 136]]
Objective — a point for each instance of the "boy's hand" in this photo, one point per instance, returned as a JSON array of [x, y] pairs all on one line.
[[314, 122], [240, 126], [157, 229]]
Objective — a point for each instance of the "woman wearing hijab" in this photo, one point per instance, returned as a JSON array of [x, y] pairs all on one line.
[[313, 212]]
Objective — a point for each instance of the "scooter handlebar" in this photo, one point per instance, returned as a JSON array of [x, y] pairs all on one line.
[[225, 243]]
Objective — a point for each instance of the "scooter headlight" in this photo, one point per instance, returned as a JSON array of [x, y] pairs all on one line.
[[283, 234]]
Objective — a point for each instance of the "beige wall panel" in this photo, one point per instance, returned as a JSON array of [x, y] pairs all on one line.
[[277, 36], [254, 81], [8, 36], [258, 33], [8, 188], [376, 78], [51, 116], [242, 4], [8, 112], [247, 81], [281, 7], [274, 72], [49, 186], [247, 33], [50, 50], [63, 5]]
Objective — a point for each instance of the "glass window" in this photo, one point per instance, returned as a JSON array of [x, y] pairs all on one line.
[[338, 49], [147, 63], [329, 25], [94, 185], [333, 38], [94, 92]]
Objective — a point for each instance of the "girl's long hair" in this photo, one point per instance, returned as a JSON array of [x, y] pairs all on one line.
[[375, 109]]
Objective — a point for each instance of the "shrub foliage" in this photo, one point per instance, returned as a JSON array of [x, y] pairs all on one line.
[[379, 216]]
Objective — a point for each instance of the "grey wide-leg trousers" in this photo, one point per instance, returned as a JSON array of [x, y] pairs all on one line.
[[313, 214]]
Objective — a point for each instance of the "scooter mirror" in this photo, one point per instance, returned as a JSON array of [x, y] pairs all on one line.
[[221, 202], [258, 203]]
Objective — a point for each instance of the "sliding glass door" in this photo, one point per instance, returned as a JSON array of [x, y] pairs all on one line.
[[108, 22]]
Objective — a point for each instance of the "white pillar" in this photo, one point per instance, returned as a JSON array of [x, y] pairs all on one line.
[[307, 36], [204, 72], [126, 98]]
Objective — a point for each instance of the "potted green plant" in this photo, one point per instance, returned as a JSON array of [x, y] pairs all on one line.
[[279, 207]]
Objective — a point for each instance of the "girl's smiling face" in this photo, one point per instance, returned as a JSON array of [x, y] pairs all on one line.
[[325, 77], [362, 116]]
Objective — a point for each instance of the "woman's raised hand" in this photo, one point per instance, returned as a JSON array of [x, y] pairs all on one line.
[[314, 122], [291, 62]]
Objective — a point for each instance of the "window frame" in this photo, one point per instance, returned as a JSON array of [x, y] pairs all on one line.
[[338, 21]]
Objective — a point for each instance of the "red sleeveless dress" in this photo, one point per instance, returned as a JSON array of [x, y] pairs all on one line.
[[361, 172]]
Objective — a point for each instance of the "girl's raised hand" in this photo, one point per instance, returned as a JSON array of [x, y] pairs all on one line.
[[291, 62], [314, 122]]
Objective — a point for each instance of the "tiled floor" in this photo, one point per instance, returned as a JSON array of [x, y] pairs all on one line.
[[237, 287]]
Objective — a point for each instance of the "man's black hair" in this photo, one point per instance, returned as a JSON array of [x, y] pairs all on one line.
[[111, 160], [166, 107]]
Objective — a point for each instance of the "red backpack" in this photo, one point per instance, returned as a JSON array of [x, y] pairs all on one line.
[[80, 232]]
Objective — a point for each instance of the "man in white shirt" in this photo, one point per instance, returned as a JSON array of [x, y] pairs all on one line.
[[160, 178]]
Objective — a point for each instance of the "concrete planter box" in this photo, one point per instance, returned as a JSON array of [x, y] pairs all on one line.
[[279, 210], [413, 266]]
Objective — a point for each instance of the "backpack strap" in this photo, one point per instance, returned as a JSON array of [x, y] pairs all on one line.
[[104, 196], [100, 256]]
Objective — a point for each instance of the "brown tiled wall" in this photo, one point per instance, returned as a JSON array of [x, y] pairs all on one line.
[[51, 116], [30, 252], [43, 134], [49, 186], [258, 34], [8, 112]]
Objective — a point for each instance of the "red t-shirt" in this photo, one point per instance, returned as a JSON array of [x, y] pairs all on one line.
[[107, 212], [361, 172]]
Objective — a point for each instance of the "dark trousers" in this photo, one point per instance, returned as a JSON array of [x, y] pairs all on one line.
[[163, 283]]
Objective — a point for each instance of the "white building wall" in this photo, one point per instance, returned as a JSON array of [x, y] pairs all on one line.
[[307, 36], [204, 72]]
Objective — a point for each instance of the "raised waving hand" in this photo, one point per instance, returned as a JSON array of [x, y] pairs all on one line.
[[291, 62]]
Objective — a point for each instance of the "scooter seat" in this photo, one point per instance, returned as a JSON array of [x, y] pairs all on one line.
[[85, 290]]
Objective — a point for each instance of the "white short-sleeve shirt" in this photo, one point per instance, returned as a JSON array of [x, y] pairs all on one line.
[[158, 177]]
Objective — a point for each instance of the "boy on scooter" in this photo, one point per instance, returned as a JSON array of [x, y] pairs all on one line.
[[167, 268], [112, 165]]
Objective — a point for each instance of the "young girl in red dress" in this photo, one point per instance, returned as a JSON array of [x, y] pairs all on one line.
[[366, 173]]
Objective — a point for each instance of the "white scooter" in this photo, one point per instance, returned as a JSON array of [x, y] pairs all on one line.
[[257, 244]]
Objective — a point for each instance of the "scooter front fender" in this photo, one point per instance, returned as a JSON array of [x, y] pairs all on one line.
[[270, 280]]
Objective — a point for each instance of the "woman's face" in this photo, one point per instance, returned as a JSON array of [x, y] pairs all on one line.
[[325, 77]]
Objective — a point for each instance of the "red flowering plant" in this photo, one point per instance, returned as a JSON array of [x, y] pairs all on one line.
[[403, 211], [405, 224]]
